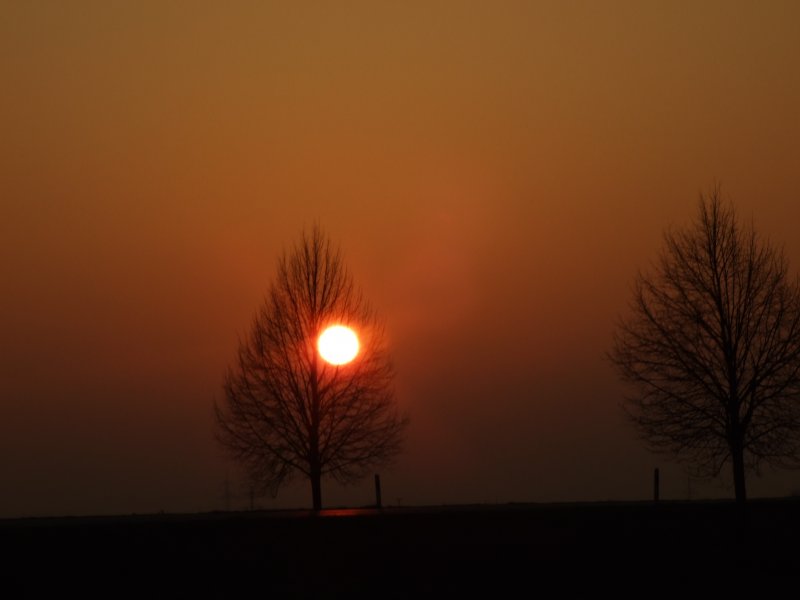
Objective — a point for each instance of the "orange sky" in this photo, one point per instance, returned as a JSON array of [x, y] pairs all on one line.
[[495, 173]]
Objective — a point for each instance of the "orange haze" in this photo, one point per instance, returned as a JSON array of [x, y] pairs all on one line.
[[495, 174]]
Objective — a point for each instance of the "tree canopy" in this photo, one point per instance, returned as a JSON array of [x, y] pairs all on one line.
[[286, 411], [711, 348]]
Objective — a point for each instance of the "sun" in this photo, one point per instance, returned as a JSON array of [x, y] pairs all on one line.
[[338, 345]]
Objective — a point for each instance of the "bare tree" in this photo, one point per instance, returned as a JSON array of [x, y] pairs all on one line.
[[712, 348], [286, 411]]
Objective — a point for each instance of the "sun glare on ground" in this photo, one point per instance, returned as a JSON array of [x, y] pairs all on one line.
[[338, 345]]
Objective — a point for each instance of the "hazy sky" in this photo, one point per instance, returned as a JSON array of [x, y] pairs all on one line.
[[495, 172]]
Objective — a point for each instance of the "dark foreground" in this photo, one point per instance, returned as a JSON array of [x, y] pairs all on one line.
[[496, 550]]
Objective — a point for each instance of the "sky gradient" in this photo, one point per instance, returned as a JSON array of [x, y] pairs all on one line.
[[495, 173]]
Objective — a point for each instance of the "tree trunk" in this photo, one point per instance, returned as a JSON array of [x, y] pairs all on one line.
[[315, 468], [316, 487], [737, 456]]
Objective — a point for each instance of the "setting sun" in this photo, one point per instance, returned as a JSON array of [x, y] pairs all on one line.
[[338, 345]]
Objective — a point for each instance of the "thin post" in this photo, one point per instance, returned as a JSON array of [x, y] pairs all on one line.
[[377, 491], [655, 485]]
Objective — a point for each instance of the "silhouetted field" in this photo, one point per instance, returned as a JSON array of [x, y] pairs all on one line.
[[638, 547]]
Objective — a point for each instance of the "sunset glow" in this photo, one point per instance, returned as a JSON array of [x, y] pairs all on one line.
[[494, 174], [338, 345]]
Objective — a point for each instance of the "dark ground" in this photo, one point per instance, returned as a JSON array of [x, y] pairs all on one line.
[[497, 551]]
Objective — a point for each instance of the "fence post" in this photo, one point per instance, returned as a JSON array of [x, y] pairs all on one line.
[[377, 491], [655, 485]]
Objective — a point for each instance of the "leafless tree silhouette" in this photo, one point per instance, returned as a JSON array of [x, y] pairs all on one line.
[[286, 411], [712, 348]]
